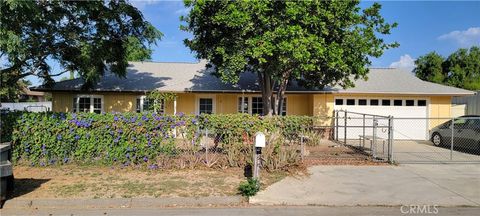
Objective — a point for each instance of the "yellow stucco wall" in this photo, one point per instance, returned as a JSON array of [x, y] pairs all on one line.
[[440, 107], [299, 104], [226, 103], [62, 102], [119, 102], [113, 102], [321, 105]]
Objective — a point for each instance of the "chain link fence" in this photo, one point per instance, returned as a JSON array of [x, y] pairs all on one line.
[[410, 140], [381, 138], [446, 140], [371, 134]]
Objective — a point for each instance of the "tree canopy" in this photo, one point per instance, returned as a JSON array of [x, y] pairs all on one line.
[[315, 43], [88, 37], [460, 69]]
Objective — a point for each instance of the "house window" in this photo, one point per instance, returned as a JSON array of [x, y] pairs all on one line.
[[146, 104], [338, 101], [409, 103], [374, 102], [362, 102], [398, 102], [88, 103], [97, 105], [350, 102], [421, 103], [385, 102], [206, 105], [257, 105], [242, 105]]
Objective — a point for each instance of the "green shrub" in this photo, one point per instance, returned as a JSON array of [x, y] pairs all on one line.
[[139, 138], [249, 188]]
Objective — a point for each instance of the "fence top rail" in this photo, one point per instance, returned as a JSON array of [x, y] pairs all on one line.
[[445, 118], [365, 114]]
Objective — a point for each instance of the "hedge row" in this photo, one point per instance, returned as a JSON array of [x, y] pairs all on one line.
[[127, 138]]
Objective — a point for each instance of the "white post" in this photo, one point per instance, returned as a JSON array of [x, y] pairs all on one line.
[[175, 113], [175, 105]]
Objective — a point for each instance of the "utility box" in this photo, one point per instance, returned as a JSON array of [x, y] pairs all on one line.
[[6, 172]]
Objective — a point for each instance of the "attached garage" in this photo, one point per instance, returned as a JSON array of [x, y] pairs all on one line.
[[415, 110]]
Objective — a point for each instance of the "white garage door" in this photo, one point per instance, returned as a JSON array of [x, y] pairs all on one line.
[[415, 128]]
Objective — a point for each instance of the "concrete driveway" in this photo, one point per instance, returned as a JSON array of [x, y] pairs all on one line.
[[410, 151], [414, 184]]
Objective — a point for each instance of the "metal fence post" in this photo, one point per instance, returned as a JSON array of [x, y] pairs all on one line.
[[302, 146], [206, 145], [451, 140], [374, 139], [345, 129], [363, 139], [336, 125], [390, 139]]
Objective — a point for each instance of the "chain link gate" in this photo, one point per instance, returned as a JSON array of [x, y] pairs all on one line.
[[372, 134]]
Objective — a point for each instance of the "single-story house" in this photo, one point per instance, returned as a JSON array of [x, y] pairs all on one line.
[[387, 91]]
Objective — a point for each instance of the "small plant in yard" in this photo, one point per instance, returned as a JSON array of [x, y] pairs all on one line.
[[250, 187]]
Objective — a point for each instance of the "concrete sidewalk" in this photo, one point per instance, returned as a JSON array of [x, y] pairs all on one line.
[[20, 203], [242, 211], [418, 184]]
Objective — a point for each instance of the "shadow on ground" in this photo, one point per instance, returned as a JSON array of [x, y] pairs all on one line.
[[26, 185]]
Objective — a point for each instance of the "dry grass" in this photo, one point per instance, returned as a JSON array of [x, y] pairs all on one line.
[[102, 182]]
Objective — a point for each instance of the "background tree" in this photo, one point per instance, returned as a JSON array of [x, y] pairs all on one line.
[[429, 67], [12, 91], [85, 37], [461, 69], [316, 43]]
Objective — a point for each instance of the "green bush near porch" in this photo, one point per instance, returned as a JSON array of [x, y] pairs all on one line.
[[148, 139]]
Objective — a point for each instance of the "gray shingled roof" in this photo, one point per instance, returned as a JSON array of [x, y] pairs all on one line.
[[193, 77]]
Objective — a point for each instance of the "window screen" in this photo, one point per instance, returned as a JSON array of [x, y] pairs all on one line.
[[97, 105], [245, 105], [257, 105], [206, 105]]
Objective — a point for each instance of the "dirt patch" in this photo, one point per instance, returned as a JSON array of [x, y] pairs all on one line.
[[330, 153], [103, 182]]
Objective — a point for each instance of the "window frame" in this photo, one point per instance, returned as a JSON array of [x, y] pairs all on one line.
[[205, 96], [91, 97], [409, 100], [423, 100], [251, 105], [141, 106], [249, 100], [401, 102], [350, 99], [389, 102], [364, 100], [244, 99], [338, 100]]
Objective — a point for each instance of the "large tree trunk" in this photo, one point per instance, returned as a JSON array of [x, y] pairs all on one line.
[[267, 92], [282, 87]]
